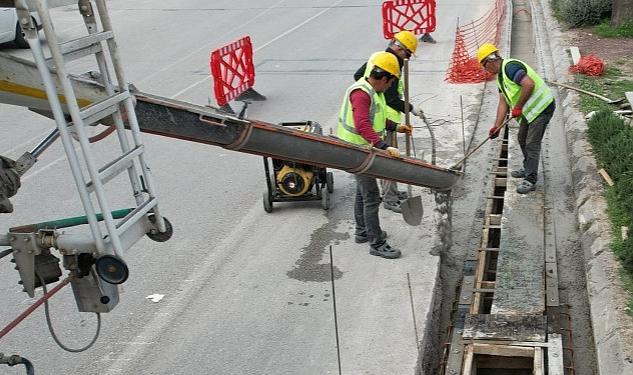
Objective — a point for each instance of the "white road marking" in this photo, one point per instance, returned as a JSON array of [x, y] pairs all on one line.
[[262, 46]]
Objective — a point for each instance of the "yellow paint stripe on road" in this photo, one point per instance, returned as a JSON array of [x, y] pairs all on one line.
[[14, 88]]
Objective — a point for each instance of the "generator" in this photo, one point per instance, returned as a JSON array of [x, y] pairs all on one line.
[[294, 182]]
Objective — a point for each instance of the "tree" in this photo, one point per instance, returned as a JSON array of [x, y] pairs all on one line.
[[622, 12]]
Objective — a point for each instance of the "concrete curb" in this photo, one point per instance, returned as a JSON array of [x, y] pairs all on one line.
[[612, 326]]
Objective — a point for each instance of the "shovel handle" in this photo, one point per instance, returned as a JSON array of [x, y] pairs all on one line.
[[407, 113], [479, 145]]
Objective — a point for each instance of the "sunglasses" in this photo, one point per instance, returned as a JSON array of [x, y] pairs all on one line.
[[405, 49]]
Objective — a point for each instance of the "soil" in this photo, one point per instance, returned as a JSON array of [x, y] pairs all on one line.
[[610, 50]]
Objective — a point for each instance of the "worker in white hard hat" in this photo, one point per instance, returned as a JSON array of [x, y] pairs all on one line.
[[528, 98], [403, 45], [362, 121]]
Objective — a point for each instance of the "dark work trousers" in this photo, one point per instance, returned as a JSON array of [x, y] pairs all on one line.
[[530, 137], [390, 188], [366, 208]]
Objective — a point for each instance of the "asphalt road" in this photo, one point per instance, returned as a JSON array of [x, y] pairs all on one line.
[[245, 292]]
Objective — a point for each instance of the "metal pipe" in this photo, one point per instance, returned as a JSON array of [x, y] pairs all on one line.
[[177, 119]]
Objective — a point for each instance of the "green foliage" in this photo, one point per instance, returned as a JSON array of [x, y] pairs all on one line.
[[584, 12], [612, 141], [612, 85], [606, 30]]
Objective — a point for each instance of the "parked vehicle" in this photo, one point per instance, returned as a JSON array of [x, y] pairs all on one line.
[[10, 30]]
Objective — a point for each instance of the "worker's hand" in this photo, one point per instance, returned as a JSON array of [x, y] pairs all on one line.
[[417, 112], [493, 132], [393, 152], [404, 128], [517, 112]]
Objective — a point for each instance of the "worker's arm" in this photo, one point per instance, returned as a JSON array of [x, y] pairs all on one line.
[[361, 101], [360, 72]]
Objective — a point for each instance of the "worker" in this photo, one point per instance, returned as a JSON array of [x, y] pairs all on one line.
[[9, 183], [403, 45], [531, 103], [362, 121]]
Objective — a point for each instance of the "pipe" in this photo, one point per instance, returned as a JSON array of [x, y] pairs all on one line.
[[177, 119]]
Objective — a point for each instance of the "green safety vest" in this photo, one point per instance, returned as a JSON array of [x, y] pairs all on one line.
[[392, 114], [539, 100], [346, 129]]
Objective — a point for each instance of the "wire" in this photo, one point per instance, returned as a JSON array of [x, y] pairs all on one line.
[[52, 331]]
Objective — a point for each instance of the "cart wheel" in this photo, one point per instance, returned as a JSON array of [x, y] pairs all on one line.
[[329, 181], [325, 199], [268, 204]]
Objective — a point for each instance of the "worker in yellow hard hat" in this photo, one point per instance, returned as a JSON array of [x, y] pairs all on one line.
[[403, 45], [528, 98], [362, 121]]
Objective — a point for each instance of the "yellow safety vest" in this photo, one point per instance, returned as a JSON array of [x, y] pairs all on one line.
[[392, 114], [539, 100], [346, 128]]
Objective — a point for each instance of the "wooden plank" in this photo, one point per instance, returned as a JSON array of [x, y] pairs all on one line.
[[555, 364], [538, 362], [503, 350], [468, 360], [575, 54], [510, 343], [606, 177], [505, 327]]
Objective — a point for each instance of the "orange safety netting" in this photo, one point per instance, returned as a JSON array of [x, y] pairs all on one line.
[[590, 65], [417, 16], [464, 67]]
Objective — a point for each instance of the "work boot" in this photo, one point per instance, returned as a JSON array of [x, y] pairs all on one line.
[[402, 195], [393, 206], [526, 187], [427, 38], [362, 238], [518, 174], [385, 251]]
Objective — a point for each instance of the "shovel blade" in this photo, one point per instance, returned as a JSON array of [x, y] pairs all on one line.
[[412, 210]]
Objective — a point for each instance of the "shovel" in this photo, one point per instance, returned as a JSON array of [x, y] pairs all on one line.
[[603, 98], [412, 206]]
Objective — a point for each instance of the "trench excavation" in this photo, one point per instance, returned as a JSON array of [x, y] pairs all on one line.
[[513, 295]]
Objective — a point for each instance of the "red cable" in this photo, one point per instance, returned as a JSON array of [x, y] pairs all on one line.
[[34, 306]]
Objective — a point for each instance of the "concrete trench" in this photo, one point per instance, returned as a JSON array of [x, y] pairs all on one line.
[[531, 42]]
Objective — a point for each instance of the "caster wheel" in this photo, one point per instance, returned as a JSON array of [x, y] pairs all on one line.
[[157, 236], [268, 204], [112, 269]]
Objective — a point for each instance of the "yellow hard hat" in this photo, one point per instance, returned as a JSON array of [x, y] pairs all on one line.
[[408, 40], [485, 50], [388, 62]]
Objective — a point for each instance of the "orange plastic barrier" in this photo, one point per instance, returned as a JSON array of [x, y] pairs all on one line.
[[417, 16], [464, 67], [232, 69]]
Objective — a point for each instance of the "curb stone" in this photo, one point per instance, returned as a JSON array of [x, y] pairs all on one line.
[[612, 326]]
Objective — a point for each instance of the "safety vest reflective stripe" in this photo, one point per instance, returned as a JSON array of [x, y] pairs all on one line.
[[539, 100], [346, 129], [390, 113]]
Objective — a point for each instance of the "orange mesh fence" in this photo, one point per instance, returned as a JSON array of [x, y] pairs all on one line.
[[464, 67], [232, 69], [417, 16]]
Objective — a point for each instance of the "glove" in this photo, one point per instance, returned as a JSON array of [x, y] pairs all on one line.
[[393, 152], [417, 112], [493, 132], [517, 111], [404, 128]]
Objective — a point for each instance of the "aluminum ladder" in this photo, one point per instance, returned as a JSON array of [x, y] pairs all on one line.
[[143, 219]]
